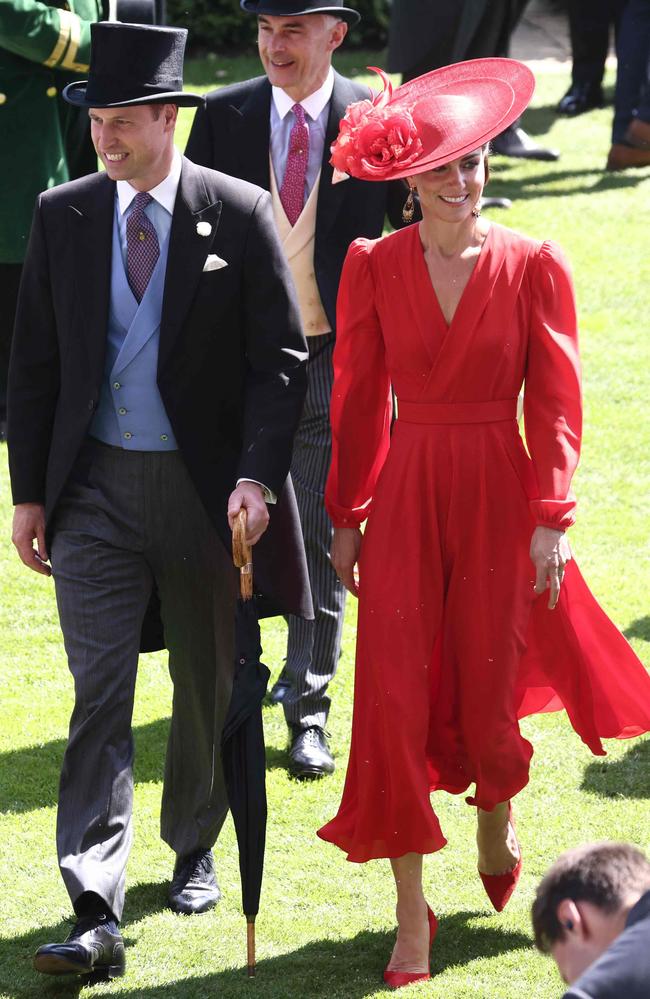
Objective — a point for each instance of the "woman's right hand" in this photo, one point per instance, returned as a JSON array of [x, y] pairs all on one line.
[[344, 555]]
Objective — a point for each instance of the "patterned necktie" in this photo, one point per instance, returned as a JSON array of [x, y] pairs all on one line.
[[292, 192], [142, 249]]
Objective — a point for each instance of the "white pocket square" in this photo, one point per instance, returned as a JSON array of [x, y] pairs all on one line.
[[214, 263], [338, 176]]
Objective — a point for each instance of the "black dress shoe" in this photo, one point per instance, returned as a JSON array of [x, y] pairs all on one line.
[[515, 142], [279, 689], [194, 887], [309, 754], [581, 97], [94, 947]]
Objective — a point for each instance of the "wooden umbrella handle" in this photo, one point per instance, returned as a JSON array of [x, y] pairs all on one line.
[[250, 946], [242, 556]]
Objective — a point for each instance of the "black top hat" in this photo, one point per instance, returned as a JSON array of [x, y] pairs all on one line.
[[133, 64], [294, 8]]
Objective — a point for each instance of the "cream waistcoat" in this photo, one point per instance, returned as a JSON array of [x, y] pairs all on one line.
[[298, 245]]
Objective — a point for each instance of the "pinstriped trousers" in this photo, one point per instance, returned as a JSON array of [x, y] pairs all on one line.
[[127, 518], [314, 647]]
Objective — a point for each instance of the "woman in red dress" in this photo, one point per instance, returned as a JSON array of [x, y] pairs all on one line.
[[471, 612]]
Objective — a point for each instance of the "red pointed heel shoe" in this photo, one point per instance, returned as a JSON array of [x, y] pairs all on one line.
[[499, 887], [397, 979]]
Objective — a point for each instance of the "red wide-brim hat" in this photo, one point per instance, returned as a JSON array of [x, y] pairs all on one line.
[[431, 120]]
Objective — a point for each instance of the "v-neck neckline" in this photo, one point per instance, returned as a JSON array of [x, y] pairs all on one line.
[[482, 254]]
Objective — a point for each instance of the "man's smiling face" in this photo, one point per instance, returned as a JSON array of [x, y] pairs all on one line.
[[296, 52], [135, 143]]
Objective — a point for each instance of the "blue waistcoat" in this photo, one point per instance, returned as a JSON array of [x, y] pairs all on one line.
[[130, 412]]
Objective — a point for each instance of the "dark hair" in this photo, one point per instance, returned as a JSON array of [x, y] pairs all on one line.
[[600, 873], [487, 149]]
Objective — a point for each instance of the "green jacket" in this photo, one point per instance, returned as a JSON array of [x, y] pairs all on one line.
[[43, 46]]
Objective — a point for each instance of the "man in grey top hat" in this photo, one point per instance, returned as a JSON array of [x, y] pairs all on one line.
[[156, 380], [276, 131]]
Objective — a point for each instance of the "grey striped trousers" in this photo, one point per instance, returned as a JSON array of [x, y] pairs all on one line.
[[127, 518], [314, 647]]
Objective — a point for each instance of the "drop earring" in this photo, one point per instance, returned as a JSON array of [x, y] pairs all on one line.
[[476, 212], [408, 211]]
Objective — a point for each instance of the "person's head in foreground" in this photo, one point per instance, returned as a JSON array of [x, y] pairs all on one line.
[[132, 95], [584, 904], [435, 131]]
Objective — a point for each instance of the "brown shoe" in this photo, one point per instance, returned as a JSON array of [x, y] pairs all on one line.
[[638, 134], [626, 157]]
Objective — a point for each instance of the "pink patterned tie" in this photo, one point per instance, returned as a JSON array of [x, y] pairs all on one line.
[[142, 249], [292, 192]]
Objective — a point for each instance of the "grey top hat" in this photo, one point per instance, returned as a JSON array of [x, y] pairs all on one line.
[[295, 8], [133, 64]]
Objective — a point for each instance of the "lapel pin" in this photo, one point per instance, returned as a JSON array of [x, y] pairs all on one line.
[[203, 228]]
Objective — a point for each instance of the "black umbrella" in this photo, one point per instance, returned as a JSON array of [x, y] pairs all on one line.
[[242, 742]]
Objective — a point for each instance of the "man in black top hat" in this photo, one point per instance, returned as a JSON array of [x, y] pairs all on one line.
[[156, 380], [276, 131], [43, 45]]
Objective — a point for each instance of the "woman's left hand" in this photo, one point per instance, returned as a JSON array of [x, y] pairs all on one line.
[[550, 552]]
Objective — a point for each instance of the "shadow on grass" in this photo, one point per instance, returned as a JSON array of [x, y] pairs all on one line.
[[16, 953], [628, 777], [276, 759], [31, 774], [323, 968], [346, 968], [539, 120], [591, 181], [639, 629]]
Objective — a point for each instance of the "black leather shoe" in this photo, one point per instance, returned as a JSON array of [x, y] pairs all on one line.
[[279, 689], [581, 97], [94, 947], [515, 142], [194, 887], [309, 754]]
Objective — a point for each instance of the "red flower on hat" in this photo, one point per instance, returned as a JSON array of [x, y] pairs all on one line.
[[375, 140]]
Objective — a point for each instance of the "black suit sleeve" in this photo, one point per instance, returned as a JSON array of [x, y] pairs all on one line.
[[276, 354], [33, 373], [200, 143]]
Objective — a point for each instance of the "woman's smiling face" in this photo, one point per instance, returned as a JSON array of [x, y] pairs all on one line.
[[451, 192]]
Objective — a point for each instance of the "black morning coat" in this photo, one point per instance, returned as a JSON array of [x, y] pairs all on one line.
[[232, 133], [231, 366]]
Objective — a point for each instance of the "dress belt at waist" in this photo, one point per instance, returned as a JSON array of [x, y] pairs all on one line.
[[493, 411]]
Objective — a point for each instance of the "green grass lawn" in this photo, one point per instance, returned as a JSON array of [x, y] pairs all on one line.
[[326, 927]]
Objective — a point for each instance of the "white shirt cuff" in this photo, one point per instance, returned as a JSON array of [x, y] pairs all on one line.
[[269, 495]]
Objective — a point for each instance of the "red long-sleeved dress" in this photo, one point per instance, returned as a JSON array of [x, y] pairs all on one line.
[[453, 646]]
